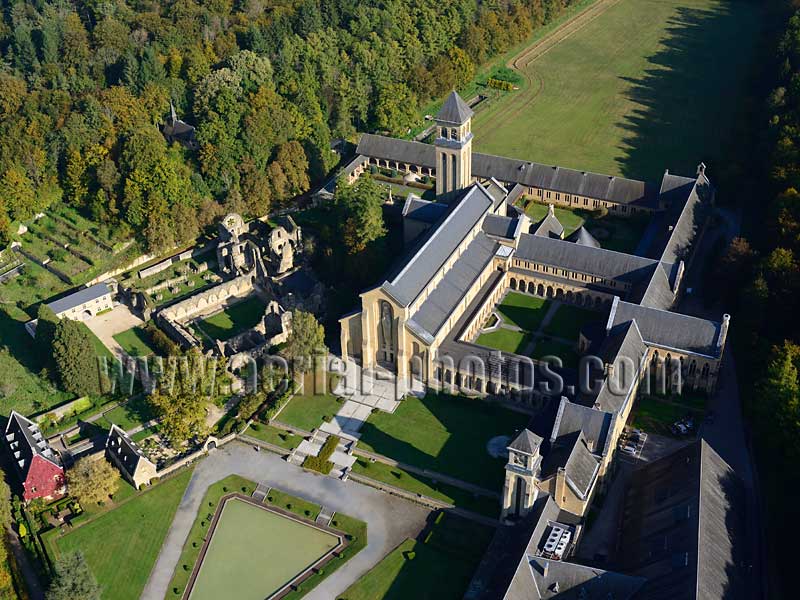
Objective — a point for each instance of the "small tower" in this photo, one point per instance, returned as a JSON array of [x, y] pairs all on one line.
[[524, 460], [453, 146]]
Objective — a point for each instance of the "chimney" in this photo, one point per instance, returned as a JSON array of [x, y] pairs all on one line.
[[551, 210], [701, 169], [723, 331]]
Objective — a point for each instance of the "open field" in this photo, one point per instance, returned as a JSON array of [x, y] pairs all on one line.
[[134, 342], [444, 433], [640, 86], [309, 411], [248, 537], [121, 545], [234, 319]]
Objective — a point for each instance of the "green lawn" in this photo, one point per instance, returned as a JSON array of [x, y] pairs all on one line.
[[631, 92], [417, 484], [246, 539], [547, 347], [309, 411], [133, 413], [274, 435], [121, 545], [506, 340], [135, 342], [522, 310], [234, 319], [657, 415], [438, 568], [444, 433], [568, 320]]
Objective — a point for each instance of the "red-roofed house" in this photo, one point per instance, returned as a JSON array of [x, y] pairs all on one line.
[[39, 468]]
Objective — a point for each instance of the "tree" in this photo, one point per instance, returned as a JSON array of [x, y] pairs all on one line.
[[361, 212], [92, 480], [182, 414], [306, 341], [396, 109], [46, 324], [73, 579], [75, 358]]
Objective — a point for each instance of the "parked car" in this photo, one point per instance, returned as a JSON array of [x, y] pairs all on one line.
[[629, 450]]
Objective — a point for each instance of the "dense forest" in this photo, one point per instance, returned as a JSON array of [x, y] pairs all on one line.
[[85, 85]]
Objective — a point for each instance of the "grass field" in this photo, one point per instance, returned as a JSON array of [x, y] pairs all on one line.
[[526, 312], [248, 537], [547, 347], [134, 342], [234, 319], [309, 411], [121, 545], [566, 323], [273, 435], [645, 85], [506, 340], [444, 433]]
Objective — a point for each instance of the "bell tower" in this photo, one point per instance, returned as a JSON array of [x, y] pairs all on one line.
[[453, 146], [524, 461]]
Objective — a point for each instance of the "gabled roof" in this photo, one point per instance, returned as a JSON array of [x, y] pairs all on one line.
[[423, 210], [669, 329], [125, 449], [526, 442], [454, 110], [584, 259], [582, 237], [80, 297], [439, 246], [593, 423], [549, 226], [498, 226], [25, 441], [658, 291], [570, 581], [571, 454]]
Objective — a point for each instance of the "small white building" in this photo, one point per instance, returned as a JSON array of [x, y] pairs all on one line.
[[81, 305]]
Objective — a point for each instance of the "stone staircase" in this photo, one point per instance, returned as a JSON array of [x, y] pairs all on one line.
[[342, 457]]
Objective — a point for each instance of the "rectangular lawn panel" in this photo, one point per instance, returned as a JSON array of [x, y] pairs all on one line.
[[507, 340], [254, 552], [309, 412], [526, 312], [122, 544], [568, 321], [234, 319], [444, 433], [134, 342]]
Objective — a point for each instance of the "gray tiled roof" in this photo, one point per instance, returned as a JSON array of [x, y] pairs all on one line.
[[526, 442], [439, 246], [515, 171], [584, 259], [26, 442], [584, 238], [423, 210], [454, 110], [570, 581], [449, 291], [595, 424], [80, 297], [570, 452], [550, 226], [499, 226], [658, 292], [125, 449], [669, 329]]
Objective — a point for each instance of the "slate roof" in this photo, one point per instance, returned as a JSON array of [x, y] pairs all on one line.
[[25, 440], [594, 424], [685, 203], [423, 210], [684, 528], [571, 453], [125, 449], [669, 329], [449, 291], [439, 246], [658, 291], [498, 226], [570, 581], [582, 237], [514, 171], [526, 442], [80, 297], [584, 259], [454, 110], [550, 226]]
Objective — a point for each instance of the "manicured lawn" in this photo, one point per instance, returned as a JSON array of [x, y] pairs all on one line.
[[444, 433], [506, 340], [522, 310], [438, 568], [134, 342], [234, 319], [568, 320], [133, 413], [548, 347], [274, 435], [121, 545], [309, 411], [246, 539], [635, 74], [570, 219], [417, 484]]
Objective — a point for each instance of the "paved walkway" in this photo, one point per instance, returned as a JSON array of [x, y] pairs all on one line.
[[109, 324], [389, 520]]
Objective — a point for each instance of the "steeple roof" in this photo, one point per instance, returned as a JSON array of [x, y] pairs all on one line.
[[584, 238], [454, 110], [526, 442]]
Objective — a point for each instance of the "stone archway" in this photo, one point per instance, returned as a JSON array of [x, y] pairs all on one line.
[[540, 290]]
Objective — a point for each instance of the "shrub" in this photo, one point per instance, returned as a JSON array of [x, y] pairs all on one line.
[[499, 84], [320, 463]]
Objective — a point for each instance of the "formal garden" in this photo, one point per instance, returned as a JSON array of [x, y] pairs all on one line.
[[255, 550]]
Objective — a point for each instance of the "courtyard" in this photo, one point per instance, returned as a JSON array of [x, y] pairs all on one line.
[[255, 552], [232, 321], [537, 327]]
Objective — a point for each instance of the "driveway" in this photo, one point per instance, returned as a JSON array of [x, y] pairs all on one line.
[[390, 520]]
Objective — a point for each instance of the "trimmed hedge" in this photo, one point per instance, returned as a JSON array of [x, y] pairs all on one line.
[[321, 463]]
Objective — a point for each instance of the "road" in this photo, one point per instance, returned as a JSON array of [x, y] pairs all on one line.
[[390, 520]]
